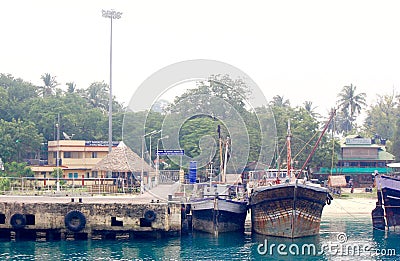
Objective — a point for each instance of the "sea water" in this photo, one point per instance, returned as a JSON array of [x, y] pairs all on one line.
[[348, 237]]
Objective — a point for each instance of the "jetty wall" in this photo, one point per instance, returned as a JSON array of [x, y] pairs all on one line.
[[80, 220]]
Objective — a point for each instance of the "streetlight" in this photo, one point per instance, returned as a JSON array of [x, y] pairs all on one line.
[[150, 161], [158, 158], [112, 14], [143, 139]]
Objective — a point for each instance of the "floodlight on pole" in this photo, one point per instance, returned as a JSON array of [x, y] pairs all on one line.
[[111, 14]]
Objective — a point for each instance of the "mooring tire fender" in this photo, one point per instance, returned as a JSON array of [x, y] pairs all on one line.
[[150, 215], [328, 201], [18, 221], [75, 220]]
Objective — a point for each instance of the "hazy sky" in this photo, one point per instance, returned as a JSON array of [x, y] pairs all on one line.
[[303, 50]]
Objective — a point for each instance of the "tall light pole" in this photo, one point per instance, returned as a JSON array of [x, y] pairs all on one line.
[[150, 161], [158, 158], [143, 141], [111, 14], [58, 153]]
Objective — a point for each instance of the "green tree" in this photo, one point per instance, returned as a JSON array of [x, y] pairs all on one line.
[[279, 101], [17, 170], [71, 87], [308, 106], [351, 103], [97, 95], [233, 92], [396, 140], [5, 183], [382, 117], [18, 140], [14, 93], [50, 83]]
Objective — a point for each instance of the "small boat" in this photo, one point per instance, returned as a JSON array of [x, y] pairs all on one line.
[[217, 206], [291, 207], [223, 208], [388, 193]]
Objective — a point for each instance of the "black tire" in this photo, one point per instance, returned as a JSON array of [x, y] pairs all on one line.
[[150, 215], [18, 221], [75, 220], [328, 201]]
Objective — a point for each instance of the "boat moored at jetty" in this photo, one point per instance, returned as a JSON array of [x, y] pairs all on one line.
[[290, 207]]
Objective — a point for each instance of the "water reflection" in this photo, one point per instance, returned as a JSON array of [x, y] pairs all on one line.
[[342, 231]]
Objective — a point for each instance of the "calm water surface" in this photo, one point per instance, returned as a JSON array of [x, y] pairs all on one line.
[[341, 238]]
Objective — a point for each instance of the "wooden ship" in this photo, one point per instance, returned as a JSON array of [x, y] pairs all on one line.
[[219, 212], [219, 207], [387, 211], [290, 208]]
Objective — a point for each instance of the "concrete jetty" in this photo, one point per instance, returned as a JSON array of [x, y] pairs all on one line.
[[58, 216]]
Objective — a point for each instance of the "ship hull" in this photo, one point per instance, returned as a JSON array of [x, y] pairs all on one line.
[[287, 210], [389, 197], [215, 215]]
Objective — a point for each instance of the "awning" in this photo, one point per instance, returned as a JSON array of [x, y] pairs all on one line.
[[394, 165]]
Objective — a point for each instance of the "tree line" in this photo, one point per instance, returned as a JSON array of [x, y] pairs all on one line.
[[29, 113], [28, 116]]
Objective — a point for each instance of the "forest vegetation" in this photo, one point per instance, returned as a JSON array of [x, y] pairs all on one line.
[[28, 116]]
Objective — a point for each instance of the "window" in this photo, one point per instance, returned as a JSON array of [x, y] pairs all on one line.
[[67, 154], [94, 154], [94, 174], [73, 175]]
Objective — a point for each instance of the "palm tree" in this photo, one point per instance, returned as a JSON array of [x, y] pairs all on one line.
[[279, 101], [50, 83], [71, 87], [97, 94], [351, 103], [308, 106]]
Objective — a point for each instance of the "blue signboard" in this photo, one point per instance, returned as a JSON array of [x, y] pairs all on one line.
[[192, 172], [170, 152]]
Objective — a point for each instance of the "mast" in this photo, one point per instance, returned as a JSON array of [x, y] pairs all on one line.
[[333, 113], [289, 151], [221, 165], [225, 160]]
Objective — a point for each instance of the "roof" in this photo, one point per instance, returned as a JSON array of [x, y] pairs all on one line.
[[384, 155], [337, 181], [394, 165], [122, 159]]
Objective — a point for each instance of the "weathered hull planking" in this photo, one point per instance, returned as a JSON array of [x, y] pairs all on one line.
[[287, 210], [388, 193], [215, 215]]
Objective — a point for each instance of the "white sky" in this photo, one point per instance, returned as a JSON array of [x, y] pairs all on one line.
[[303, 50]]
